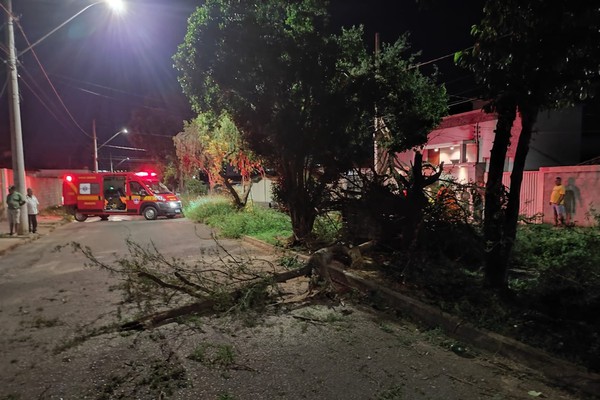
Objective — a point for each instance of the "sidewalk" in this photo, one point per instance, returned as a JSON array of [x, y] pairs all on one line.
[[46, 224]]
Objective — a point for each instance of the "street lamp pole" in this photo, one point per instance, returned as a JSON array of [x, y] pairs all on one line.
[[96, 147], [18, 159]]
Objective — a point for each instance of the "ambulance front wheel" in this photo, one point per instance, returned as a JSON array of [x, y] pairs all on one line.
[[79, 217], [150, 213]]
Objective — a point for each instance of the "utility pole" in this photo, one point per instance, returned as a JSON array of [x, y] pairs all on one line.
[[18, 159], [95, 145], [380, 156]]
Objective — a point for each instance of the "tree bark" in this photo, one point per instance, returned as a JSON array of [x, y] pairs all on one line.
[[239, 201], [415, 199], [493, 227], [528, 118], [299, 198]]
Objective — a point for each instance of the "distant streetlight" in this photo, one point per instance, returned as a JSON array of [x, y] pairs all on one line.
[[96, 147], [18, 158], [119, 163]]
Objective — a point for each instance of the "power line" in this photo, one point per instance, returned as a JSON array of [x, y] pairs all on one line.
[[44, 72], [437, 59], [43, 103]]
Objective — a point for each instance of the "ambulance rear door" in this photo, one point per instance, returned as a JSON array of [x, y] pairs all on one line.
[[89, 193]]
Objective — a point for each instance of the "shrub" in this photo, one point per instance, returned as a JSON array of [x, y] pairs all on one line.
[[195, 187], [563, 267], [327, 228]]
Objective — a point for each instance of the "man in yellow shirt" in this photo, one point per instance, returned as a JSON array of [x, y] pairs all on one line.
[[557, 201]]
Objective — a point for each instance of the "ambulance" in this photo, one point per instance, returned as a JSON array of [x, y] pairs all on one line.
[[103, 194]]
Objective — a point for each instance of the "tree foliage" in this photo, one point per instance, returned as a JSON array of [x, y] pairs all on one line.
[[528, 57], [302, 96], [215, 147], [409, 103]]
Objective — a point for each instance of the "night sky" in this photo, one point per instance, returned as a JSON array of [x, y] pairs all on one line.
[[104, 66]]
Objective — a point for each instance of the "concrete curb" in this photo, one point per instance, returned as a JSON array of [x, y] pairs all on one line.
[[560, 371], [47, 225], [10, 247]]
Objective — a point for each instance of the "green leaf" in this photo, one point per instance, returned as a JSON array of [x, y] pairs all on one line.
[[458, 56]]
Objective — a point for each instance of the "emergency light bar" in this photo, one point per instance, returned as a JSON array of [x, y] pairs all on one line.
[[144, 173]]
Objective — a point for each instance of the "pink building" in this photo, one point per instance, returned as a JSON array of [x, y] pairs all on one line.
[[463, 142]]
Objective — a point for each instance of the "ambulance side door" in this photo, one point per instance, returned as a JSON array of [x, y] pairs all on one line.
[[135, 195]]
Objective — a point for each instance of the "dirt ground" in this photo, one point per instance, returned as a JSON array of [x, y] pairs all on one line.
[[58, 348]]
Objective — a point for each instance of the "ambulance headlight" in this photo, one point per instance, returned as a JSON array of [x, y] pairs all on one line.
[[173, 204]]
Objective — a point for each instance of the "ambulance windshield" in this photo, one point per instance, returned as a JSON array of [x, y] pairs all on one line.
[[158, 188]]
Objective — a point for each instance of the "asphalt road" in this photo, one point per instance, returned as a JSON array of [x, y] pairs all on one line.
[[53, 310]]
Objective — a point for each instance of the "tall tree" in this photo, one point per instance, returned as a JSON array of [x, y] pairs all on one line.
[[302, 96], [190, 150], [274, 69], [215, 146], [528, 56]]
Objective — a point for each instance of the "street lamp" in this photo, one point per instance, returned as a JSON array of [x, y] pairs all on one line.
[[96, 147], [116, 5], [18, 158], [119, 163]]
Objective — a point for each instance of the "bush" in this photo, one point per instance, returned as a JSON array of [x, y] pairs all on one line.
[[195, 187], [559, 289], [563, 266], [327, 228]]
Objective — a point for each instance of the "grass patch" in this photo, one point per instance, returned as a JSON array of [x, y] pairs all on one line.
[[212, 355], [165, 377], [268, 225], [394, 393], [262, 223], [202, 208]]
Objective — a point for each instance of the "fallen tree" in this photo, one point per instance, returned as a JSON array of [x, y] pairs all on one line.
[[165, 290]]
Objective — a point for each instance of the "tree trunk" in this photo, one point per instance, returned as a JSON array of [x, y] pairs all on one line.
[[299, 195], [528, 118], [495, 262], [303, 216], [239, 201], [416, 201]]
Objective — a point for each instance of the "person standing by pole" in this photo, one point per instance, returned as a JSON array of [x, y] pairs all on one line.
[[557, 201], [14, 201], [32, 210]]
